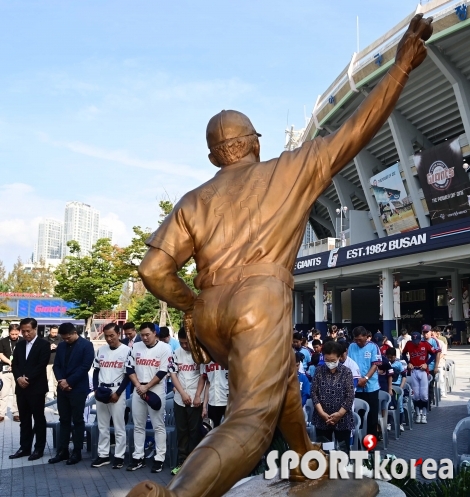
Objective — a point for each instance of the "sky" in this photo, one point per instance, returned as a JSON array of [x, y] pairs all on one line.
[[106, 101]]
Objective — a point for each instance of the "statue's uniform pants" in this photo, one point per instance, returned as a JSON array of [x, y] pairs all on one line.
[[247, 326]]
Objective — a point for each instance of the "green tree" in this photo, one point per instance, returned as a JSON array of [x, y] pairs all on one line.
[[93, 282], [36, 279], [20, 279], [3, 278]]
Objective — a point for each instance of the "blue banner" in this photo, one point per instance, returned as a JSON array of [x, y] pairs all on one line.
[[43, 308], [423, 240]]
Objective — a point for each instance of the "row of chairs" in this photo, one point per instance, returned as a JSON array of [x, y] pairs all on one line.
[[361, 408], [92, 432]]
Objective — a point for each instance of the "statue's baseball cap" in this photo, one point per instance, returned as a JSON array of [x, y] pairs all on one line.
[[226, 125]]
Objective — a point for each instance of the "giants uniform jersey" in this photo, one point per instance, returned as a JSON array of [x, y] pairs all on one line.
[[218, 379], [188, 372], [111, 363], [243, 206], [418, 353], [147, 362]]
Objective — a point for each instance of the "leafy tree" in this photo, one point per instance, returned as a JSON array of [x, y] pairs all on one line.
[[3, 277], [20, 280], [38, 279], [93, 282], [4, 307]]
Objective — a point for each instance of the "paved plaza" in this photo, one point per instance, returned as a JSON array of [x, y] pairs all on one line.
[[20, 477]]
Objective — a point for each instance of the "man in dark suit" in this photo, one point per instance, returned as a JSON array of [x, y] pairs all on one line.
[[29, 366], [131, 335], [73, 360]]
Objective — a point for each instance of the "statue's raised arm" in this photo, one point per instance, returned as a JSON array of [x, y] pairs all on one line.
[[345, 143]]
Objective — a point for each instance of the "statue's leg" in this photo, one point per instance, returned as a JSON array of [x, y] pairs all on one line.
[[292, 422], [251, 318]]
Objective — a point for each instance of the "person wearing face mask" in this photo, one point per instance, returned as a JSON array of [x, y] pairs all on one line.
[[332, 393]]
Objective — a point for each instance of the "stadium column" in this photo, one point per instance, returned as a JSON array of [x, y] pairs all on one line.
[[319, 323], [458, 321], [297, 308], [366, 163], [389, 323], [403, 132], [459, 83], [336, 317]]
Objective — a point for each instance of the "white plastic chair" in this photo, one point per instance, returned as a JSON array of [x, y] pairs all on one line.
[[356, 445], [458, 459], [362, 405], [384, 401]]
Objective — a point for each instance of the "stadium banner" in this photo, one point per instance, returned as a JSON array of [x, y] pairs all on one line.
[[395, 205], [445, 183], [43, 308], [422, 240]]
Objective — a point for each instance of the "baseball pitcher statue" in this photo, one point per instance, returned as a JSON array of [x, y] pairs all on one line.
[[244, 228]]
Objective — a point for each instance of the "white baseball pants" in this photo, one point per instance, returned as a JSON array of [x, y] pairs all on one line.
[[140, 410], [396, 310], [104, 413], [8, 388]]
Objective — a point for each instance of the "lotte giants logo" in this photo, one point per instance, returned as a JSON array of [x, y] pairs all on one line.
[[333, 257], [440, 176], [147, 362]]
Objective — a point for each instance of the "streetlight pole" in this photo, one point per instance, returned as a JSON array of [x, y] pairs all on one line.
[[342, 210]]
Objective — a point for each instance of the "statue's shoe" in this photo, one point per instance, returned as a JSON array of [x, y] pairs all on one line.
[[148, 488]]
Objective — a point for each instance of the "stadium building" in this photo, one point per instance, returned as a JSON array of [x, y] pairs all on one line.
[[392, 231]]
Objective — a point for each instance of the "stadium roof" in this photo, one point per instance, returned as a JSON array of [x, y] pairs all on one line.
[[429, 105]]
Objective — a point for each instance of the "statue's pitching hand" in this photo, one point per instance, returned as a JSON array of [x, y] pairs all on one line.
[[411, 50]]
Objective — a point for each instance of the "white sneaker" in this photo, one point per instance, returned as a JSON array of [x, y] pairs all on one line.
[[418, 419], [423, 419], [402, 427], [389, 426]]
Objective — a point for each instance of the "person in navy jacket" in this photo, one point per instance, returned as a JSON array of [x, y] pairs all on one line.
[[73, 360]]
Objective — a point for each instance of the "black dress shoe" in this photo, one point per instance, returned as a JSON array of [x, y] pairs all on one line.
[[62, 455], [20, 453], [35, 455], [74, 458]]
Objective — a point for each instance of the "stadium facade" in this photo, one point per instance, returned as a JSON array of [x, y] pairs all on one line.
[[395, 223]]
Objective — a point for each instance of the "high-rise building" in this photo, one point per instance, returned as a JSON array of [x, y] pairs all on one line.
[[82, 224], [105, 232], [49, 244]]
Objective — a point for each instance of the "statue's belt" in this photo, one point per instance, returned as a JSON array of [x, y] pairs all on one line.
[[230, 275]]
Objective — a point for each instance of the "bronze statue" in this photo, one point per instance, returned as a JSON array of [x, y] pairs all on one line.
[[244, 228]]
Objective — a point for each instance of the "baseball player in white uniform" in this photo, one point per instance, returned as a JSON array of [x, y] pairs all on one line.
[[450, 304], [110, 373], [396, 300], [216, 393], [147, 368], [188, 382], [465, 301]]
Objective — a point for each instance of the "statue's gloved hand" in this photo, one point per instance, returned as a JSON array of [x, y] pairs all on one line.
[[199, 353], [411, 50]]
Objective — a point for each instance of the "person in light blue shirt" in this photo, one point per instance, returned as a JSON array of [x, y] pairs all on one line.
[[164, 336], [367, 356], [297, 344], [303, 380]]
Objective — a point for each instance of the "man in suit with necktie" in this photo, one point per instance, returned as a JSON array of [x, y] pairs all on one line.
[[29, 367], [131, 335], [73, 360]]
